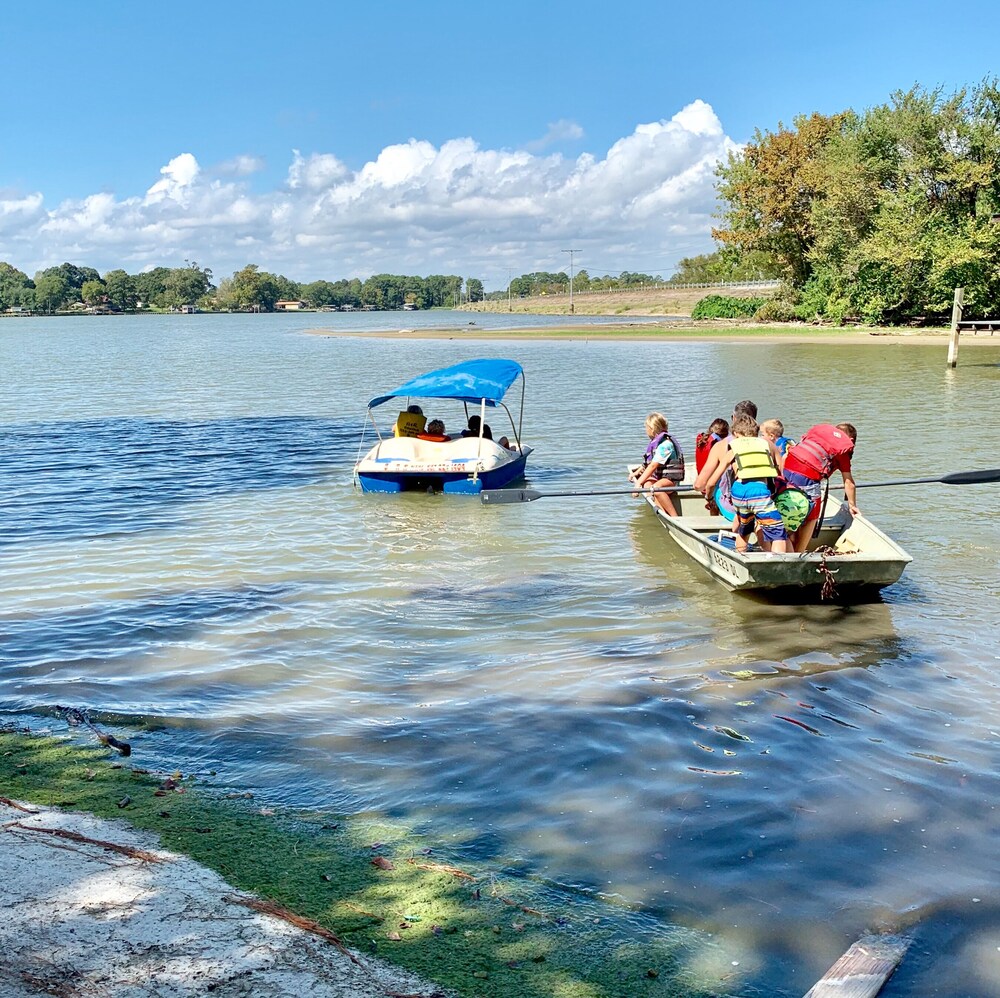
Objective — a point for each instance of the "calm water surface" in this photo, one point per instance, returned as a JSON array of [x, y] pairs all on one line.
[[548, 683]]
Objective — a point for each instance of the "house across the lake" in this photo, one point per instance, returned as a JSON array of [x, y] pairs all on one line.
[[287, 305]]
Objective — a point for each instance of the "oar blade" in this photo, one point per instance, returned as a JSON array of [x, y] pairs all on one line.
[[972, 477], [500, 497]]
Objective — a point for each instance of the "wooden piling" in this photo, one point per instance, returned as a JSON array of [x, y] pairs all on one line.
[[956, 321]]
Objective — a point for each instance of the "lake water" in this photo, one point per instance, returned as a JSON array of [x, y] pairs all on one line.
[[551, 683]]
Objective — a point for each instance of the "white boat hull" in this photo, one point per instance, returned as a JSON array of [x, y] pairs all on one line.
[[466, 465]]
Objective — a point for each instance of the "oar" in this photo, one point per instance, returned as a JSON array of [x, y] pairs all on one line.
[[501, 496], [491, 496], [956, 478]]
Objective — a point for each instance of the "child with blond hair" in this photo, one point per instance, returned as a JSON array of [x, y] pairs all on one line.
[[663, 464], [755, 472], [774, 430]]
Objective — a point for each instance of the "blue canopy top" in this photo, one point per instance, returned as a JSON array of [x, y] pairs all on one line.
[[475, 380]]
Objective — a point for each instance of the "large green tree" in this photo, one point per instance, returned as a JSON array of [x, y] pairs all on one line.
[[320, 294], [769, 189], [185, 286], [878, 215], [150, 285]]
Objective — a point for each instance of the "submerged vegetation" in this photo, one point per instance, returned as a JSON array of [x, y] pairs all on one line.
[[378, 887]]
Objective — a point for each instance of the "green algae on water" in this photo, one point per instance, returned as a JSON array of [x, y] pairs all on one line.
[[382, 889]]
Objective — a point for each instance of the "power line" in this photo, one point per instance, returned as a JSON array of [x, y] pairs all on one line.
[[571, 252]]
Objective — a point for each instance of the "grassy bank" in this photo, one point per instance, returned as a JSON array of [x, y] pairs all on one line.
[[380, 887], [648, 301]]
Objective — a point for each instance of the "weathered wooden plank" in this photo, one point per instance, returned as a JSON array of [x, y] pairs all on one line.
[[863, 970]]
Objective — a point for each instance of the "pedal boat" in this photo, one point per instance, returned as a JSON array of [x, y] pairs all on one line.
[[462, 465]]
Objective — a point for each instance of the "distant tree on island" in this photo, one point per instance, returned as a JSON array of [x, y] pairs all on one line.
[[248, 289], [120, 290], [52, 292], [93, 293], [876, 216]]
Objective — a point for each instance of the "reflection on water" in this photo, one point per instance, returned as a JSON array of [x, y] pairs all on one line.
[[551, 683], [805, 637]]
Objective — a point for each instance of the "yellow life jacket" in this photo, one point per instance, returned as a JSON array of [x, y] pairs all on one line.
[[408, 424], [753, 459]]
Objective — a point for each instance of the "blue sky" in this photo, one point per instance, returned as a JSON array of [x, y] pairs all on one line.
[[332, 139]]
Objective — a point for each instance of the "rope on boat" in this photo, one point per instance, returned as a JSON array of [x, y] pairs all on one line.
[[829, 589]]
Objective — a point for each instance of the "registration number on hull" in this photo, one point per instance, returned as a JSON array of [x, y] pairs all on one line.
[[725, 565]]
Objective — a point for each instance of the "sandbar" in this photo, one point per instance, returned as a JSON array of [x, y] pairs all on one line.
[[680, 332]]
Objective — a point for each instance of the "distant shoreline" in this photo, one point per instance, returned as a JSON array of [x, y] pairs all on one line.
[[675, 332]]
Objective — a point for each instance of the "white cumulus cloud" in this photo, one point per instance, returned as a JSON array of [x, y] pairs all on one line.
[[178, 175], [414, 208]]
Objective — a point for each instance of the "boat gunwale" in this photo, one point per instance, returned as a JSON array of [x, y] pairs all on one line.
[[895, 556]]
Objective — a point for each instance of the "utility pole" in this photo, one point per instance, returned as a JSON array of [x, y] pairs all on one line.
[[571, 252], [509, 309]]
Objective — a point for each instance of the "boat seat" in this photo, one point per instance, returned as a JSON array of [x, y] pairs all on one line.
[[706, 524], [462, 450]]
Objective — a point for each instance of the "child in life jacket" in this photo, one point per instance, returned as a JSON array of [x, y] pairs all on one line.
[[822, 450], [774, 430], [663, 462], [703, 443], [718, 494], [755, 472]]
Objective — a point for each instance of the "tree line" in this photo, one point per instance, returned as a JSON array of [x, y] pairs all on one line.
[[250, 289], [169, 288], [874, 216], [544, 283]]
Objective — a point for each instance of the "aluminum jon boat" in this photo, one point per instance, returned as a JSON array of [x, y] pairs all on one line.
[[406, 459], [846, 553]]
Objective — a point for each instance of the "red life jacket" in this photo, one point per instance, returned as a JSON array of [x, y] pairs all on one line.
[[703, 445], [814, 455]]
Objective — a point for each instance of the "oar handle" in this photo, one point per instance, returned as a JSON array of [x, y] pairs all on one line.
[[955, 478], [504, 496]]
